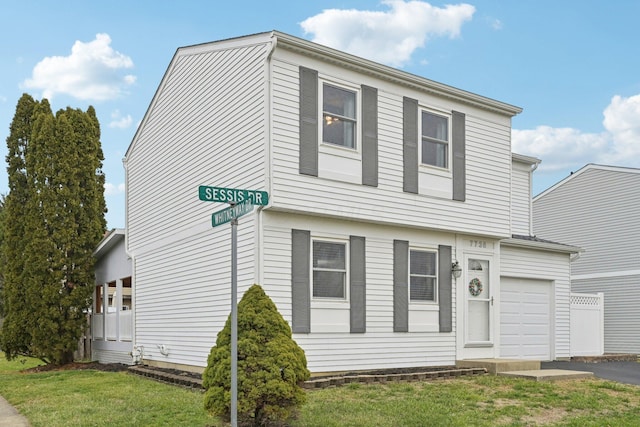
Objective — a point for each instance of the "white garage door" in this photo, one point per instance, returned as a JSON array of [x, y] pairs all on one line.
[[525, 319]]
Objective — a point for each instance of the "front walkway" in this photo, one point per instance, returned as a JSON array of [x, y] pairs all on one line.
[[10, 417]]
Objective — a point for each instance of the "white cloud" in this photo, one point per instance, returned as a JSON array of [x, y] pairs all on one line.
[[558, 148], [389, 36], [119, 121], [93, 72], [622, 120], [111, 189], [568, 148]]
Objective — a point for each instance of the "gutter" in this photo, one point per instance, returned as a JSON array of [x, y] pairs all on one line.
[[545, 246], [384, 72]]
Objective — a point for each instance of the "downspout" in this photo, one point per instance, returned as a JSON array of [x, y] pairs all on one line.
[[533, 169], [268, 160]]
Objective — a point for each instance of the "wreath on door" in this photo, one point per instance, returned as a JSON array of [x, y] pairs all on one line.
[[475, 287]]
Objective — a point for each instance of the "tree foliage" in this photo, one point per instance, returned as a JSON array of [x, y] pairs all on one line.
[[271, 365], [54, 218]]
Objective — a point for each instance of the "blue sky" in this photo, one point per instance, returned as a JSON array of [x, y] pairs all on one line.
[[573, 66]]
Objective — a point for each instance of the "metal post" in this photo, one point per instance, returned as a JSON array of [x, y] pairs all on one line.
[[234, 322]]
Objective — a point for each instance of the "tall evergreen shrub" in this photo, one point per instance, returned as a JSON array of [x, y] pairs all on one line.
[[54, 218]]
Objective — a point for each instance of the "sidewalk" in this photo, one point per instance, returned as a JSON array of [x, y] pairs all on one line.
[[10, 417]]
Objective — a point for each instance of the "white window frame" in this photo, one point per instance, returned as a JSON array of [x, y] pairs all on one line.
[[447, 142], [345, 243], [337, 148], [435, 276]]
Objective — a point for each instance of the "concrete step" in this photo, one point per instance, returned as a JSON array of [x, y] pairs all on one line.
[[548, 374], [496, 366]]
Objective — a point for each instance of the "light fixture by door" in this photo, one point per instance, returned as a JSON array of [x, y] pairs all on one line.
[[456, 270]]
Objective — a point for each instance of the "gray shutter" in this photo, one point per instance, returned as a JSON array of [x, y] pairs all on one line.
[[300, 281], [357, 284], [400, 286], [444, 288], [308, 122], [369, 136], [458, 148], [410, 144]]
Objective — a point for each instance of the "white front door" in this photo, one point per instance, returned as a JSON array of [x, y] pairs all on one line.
[[479, 303]]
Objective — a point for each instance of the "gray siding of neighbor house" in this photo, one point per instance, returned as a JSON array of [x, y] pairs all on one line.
[[596, 210]]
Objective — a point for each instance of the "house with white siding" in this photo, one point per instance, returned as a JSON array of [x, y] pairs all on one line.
[[112, 311], [596, 208], [398, 227]]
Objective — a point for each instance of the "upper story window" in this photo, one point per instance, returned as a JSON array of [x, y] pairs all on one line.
[[422, 276], [338, 116], [435, 140], [329, 269]]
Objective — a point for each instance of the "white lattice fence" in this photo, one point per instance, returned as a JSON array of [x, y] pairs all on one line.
[[587, 324]]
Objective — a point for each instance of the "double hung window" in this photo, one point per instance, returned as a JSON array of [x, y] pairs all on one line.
[[422, 276], [435, 140], [329, 269], [338, 116]]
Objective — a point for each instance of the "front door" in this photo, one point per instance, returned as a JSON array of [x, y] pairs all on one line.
[[479, 330]]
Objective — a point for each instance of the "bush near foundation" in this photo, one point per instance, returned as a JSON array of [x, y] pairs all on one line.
[[271, 366]]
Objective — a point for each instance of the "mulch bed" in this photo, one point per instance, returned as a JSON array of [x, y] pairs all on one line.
[[106, 367]]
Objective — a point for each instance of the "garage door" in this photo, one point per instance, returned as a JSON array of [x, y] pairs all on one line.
[[525, 319]]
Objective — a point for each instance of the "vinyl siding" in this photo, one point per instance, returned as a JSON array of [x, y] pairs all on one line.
[[379, 347], [113, 265], [521, 199], [183, 292], [206, 126], [596, 210], [486, 210], [112, 352], [542, 265], [621, 314]]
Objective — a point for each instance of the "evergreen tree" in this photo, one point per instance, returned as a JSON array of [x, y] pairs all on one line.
[[62, 222], [15, 337], [271, 366], [2, 258]]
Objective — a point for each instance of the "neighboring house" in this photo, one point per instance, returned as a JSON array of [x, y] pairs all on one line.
[[597, 208], [380, 182], [111, 318]]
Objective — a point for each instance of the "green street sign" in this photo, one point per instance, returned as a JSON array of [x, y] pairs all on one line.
[[227, 214], [232, 195]]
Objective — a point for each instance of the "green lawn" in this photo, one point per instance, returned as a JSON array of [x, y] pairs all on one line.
[[96, 398]]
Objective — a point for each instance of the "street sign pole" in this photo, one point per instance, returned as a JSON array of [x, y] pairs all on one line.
[[234, 322], [241, 202]]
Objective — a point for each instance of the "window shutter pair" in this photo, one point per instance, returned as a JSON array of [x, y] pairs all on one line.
[[401, 287], [301, 282], [309, 128], [411, 138]]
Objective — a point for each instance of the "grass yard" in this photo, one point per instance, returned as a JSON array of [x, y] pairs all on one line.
[[97, 398]]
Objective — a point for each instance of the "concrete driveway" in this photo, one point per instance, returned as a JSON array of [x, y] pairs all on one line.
[[623, 372]]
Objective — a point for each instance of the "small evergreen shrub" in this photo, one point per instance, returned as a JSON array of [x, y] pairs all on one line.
[[271, 366]]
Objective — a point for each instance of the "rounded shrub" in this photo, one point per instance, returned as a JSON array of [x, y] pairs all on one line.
[[271, 366]]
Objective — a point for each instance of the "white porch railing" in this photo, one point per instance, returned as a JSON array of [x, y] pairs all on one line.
[[97, 326], [125, 329], [587, 324], [126, 325]]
